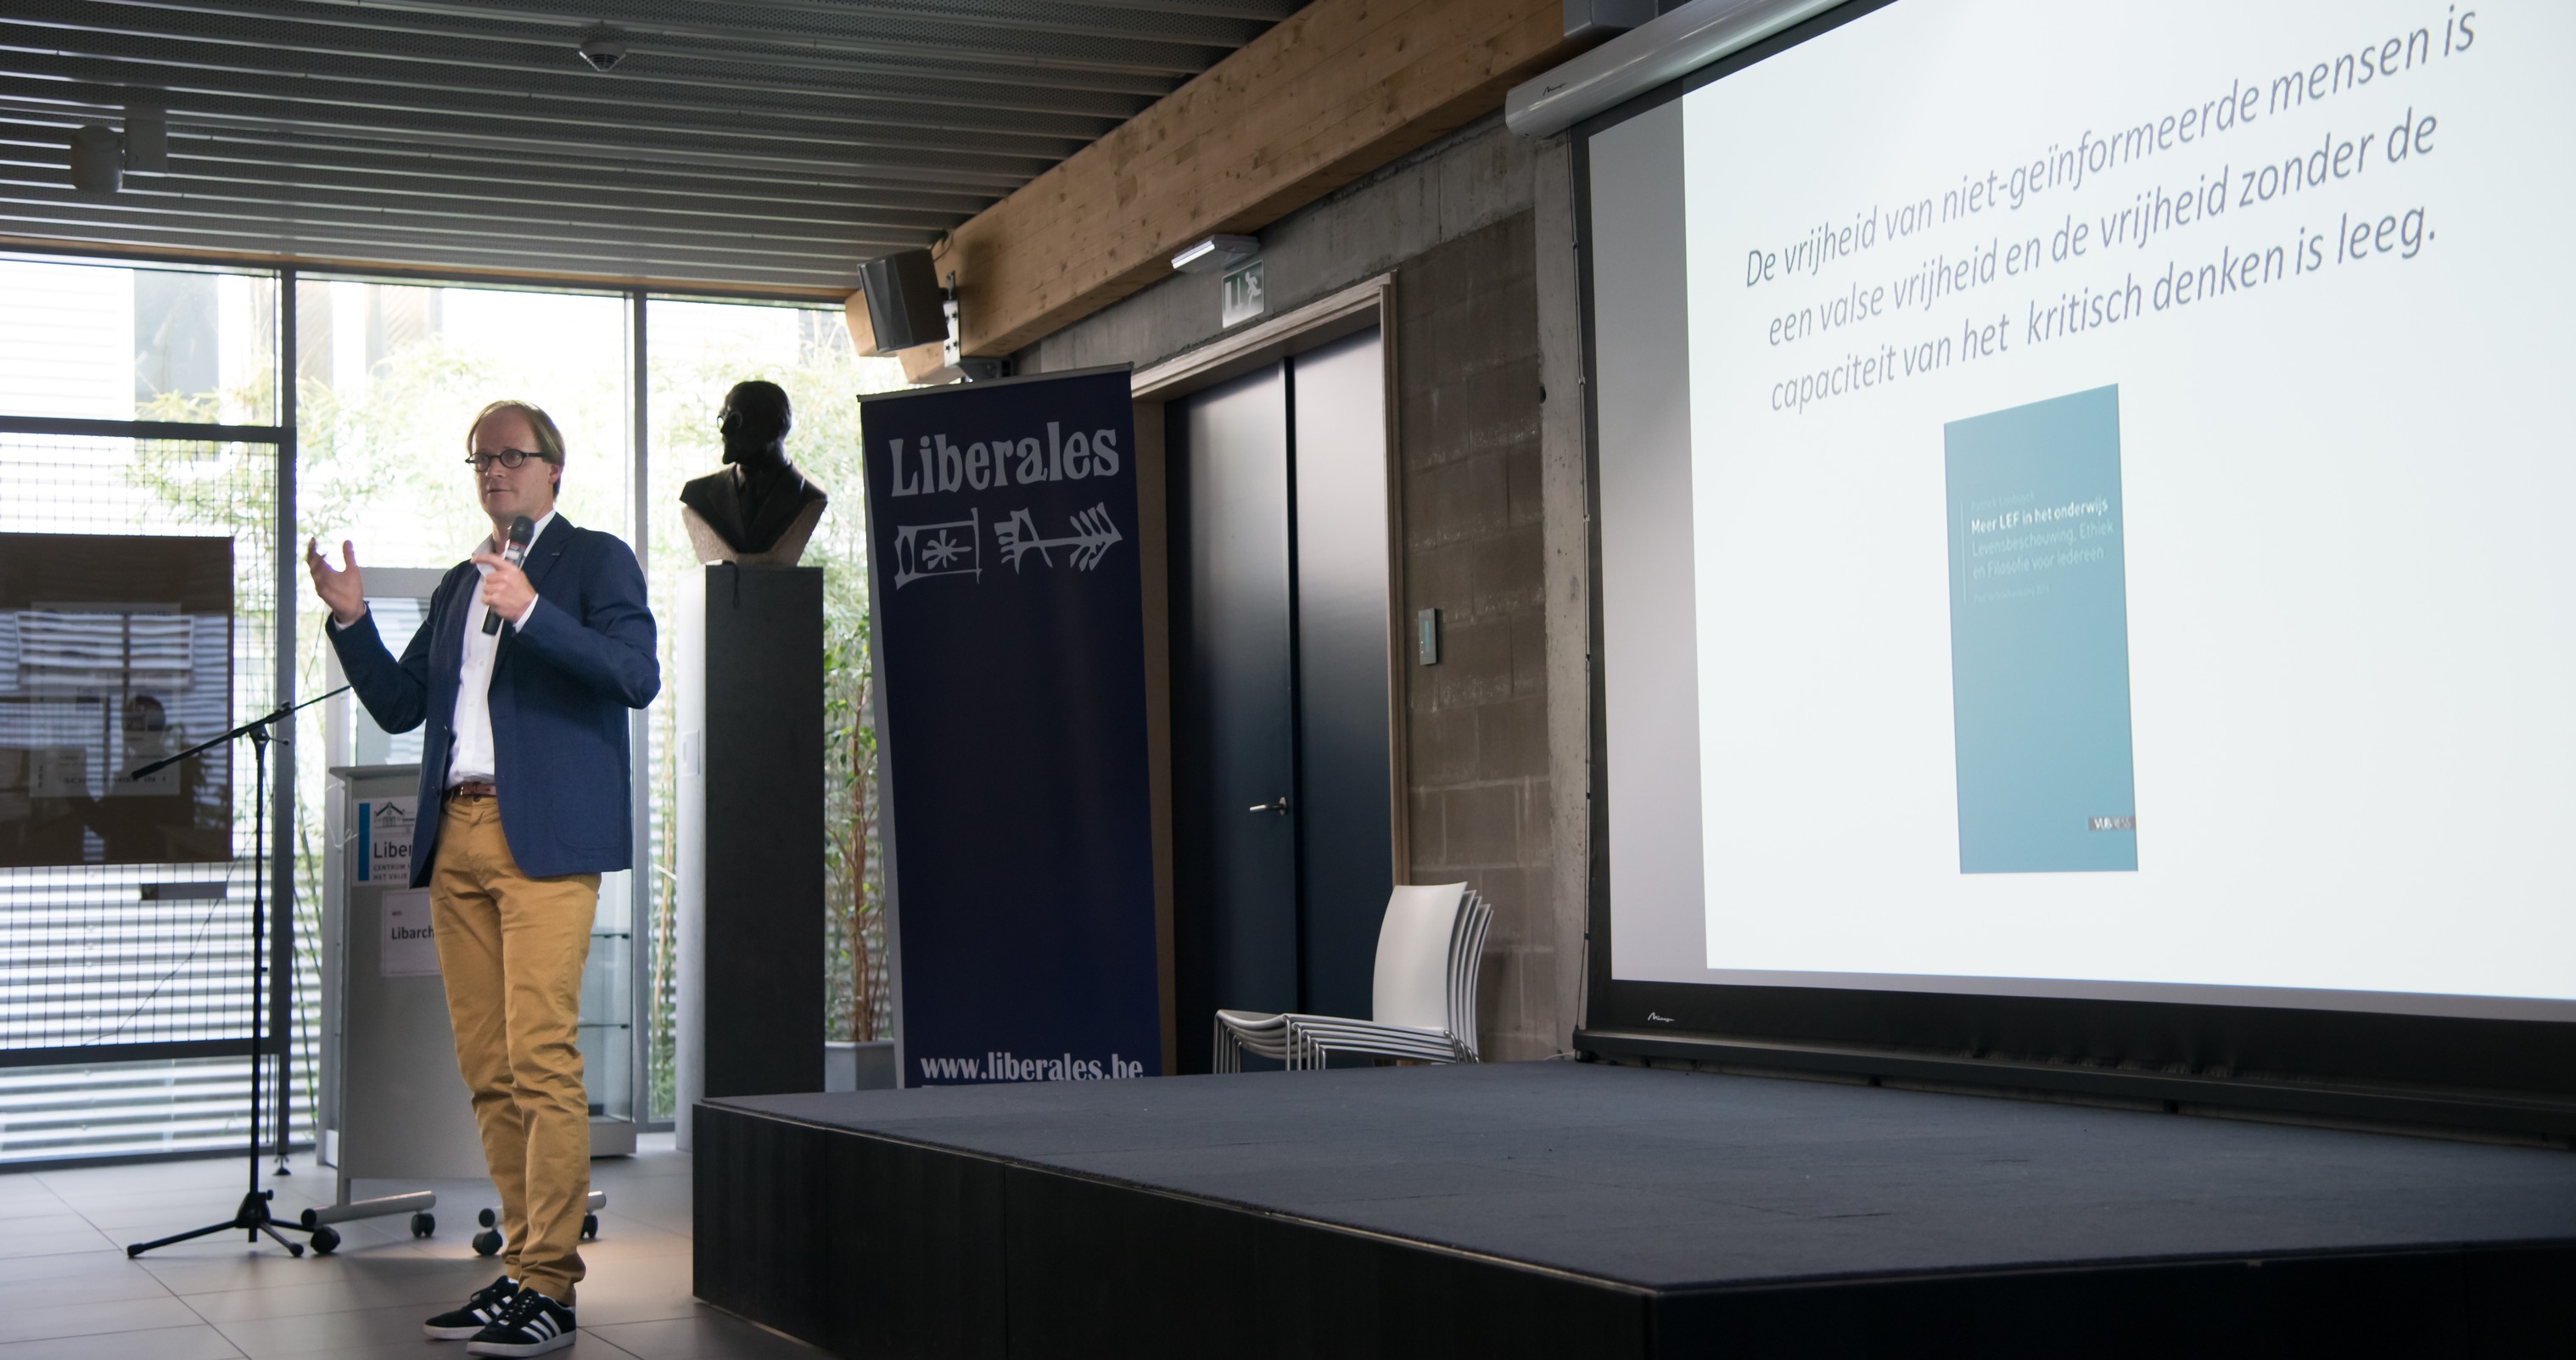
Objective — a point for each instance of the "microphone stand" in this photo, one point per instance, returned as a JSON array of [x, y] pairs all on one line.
[[252, 1217]]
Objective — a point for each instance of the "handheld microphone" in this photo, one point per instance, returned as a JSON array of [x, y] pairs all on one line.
[[521, 530]]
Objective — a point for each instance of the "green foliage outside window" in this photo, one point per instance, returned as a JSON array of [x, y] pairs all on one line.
[[379, 459], [822, 376]]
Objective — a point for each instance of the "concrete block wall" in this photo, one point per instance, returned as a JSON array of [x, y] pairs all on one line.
[[1476, 744]]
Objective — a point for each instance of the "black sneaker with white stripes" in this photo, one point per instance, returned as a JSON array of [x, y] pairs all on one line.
[[532, 1324], [479, 1312]]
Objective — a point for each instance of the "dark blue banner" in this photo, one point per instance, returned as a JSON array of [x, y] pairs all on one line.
[[1010, 642]]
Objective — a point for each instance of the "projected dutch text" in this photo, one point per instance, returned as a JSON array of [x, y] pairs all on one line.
[[2190, 611], [2048, 246]]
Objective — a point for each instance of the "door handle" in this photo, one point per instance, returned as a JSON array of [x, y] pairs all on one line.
[[1280, 807]]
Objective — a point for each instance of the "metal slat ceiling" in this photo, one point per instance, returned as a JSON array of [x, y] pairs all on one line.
[[754, 144]]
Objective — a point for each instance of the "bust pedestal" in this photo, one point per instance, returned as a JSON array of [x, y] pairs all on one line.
[[749, 676]]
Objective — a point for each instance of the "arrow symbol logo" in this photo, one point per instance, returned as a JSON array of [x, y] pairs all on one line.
[[1092, 537]]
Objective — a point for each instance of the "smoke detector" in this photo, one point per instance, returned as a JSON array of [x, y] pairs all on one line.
[[147, 140], [98, 159], [602, 48]]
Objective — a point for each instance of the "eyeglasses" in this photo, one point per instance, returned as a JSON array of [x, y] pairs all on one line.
[[508, 458]]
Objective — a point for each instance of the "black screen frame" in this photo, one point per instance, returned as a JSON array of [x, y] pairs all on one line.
[[2515, 1078]]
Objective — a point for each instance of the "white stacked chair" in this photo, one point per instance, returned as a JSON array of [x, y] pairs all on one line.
[[1422, 999]]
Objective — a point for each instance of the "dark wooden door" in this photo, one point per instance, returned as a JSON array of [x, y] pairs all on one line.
[[1233, 708], [1345, 860], [1281, 816]]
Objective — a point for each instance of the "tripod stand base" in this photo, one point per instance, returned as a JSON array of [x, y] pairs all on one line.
[[252, 1217]]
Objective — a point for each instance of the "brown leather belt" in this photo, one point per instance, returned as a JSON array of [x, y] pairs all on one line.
[[473, 788]]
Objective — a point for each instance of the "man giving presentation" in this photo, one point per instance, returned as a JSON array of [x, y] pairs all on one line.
[[526, 761]]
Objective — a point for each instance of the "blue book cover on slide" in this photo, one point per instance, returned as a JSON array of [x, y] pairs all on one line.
[[2039, 638]]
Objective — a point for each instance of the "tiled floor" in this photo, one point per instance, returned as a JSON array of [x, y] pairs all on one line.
[[67, 1291]]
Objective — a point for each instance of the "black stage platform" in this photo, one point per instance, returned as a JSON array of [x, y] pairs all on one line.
[[1561, 1209]]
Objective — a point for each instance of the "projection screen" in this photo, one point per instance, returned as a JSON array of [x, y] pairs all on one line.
[[2083, 507]]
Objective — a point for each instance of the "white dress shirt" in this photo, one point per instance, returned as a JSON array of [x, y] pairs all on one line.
[[472, 728]]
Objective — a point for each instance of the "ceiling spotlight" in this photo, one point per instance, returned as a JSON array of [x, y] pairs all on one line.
[[98, 159], [603, 48], [1216, 253]]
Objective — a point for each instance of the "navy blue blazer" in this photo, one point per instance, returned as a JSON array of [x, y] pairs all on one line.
[[561, 686]]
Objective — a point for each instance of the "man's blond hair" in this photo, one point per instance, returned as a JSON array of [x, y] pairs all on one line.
[[550, 441]]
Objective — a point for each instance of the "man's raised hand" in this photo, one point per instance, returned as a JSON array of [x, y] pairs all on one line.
[[341, 590]]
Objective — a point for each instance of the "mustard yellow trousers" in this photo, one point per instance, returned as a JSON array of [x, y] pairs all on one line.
[[511, 949]]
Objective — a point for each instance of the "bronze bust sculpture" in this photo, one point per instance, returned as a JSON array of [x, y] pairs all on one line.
[[758, 510]]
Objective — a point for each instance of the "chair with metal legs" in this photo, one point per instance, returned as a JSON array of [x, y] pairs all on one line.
[[1430, 949]]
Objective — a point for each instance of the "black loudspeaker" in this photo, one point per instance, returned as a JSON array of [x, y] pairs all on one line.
[[903, 301]]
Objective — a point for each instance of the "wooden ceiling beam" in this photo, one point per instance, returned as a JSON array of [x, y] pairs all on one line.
[[1341, 88]]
